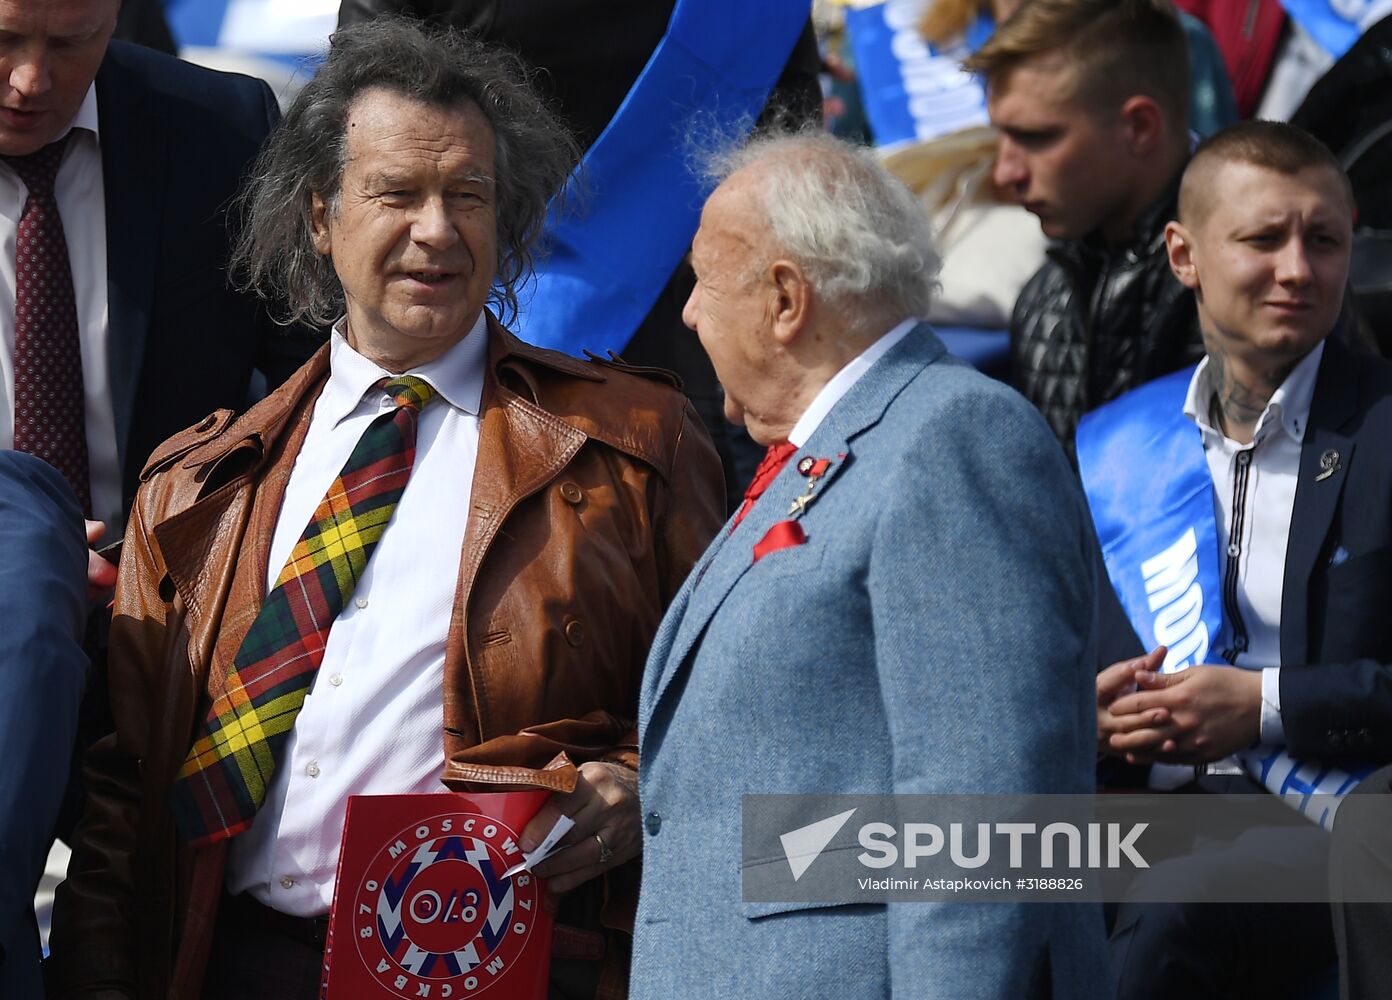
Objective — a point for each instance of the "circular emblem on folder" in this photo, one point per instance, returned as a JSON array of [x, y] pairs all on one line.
[[433, 909]]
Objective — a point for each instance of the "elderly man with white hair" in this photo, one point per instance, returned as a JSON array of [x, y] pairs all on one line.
[[904, 604]]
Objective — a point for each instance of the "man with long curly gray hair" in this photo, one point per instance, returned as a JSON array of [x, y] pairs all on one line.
[[305, 164], [489, 526]]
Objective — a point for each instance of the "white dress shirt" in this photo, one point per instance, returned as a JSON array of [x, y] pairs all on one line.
[[372, 723], [81, 201], [1254, 520], [842, 381]]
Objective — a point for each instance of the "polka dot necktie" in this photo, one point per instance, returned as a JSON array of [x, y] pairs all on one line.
[[49, 412]]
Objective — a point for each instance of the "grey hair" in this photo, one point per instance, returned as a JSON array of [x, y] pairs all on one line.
[[865, 242], [274, 252]]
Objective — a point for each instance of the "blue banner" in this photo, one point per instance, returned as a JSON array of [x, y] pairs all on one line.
[[1335, 24], [719, 60], [1147, 482], [290, 33], [911, 90], [196, 22]]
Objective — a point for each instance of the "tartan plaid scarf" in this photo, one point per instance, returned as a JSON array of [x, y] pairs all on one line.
[[223, 780]]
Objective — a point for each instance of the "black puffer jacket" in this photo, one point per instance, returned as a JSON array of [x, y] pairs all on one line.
[[1093, 323]]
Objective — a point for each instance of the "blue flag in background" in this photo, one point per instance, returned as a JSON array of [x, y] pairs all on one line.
[[1336, 24], [293, 33], [913, 91], [607, 266]]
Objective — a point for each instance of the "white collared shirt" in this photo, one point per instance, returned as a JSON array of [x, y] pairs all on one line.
[[1253, 499], [81, 199], [372, 723], [842, 381]]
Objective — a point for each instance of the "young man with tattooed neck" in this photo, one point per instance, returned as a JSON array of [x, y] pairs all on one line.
[[1245, 512]]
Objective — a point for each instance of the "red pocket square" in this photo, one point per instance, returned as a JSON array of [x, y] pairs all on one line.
[[782, 535]]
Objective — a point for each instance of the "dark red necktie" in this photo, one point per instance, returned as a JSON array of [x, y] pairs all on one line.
[[774, 459], [49, 412]]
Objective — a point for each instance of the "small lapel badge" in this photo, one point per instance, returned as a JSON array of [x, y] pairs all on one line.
[[1329, 464], [814, 469]]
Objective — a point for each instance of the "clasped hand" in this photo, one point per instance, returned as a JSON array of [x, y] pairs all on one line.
[[1194, 716]]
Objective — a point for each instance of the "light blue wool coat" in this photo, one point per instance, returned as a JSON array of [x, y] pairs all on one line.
[[933, 635]]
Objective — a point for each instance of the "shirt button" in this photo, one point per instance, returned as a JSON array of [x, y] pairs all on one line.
[[312, 769], [361, 602], [574, 633], [1233, 550], [286, 882], [1243, 457], [336, 680], [653, 824]]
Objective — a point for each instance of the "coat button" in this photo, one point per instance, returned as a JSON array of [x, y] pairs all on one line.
[[1335, 738], [575, 633], [571, 493], [1365, 737], [653, 824]]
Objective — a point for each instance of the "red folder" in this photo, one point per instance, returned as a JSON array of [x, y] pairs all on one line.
[[420, 906]]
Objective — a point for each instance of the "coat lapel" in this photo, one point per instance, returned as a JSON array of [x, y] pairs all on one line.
[[732, 555], [1316, 499], [207, 545], [133, 151], [521, 448]]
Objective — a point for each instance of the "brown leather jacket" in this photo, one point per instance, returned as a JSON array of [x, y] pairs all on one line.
[[595, 492]]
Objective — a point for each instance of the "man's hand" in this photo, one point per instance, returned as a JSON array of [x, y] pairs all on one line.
[[1213, 711], [101, 575], [604, 802], [1117, 681]]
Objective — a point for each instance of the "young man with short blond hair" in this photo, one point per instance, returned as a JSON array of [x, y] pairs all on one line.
[[1091, 99]]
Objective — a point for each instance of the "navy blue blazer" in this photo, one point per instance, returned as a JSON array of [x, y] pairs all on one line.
[[43, 602], [176, 141], [1336, 606]]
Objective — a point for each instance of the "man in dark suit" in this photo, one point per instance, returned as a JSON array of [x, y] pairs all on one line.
[[42, 666], [146, 153], [183, 340], [1277, 442], [123, 327]]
